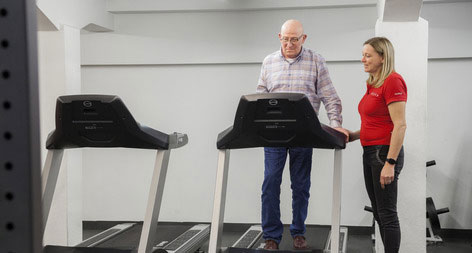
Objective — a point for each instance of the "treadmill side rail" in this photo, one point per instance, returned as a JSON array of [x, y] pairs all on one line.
[[190, 240], [105, 235], [249, 238]]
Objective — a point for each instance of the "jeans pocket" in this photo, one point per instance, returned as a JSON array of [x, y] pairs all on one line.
[[381, 152]]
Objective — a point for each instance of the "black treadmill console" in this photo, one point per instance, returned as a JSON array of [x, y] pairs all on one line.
[[278, 120], [100, 121]]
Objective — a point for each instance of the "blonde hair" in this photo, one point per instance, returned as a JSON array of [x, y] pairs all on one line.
[[385, 49]]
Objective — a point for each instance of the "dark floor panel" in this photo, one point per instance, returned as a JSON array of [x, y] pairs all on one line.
[[315, 237], [359, 243]]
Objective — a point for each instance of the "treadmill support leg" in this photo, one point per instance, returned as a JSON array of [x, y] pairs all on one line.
[[336, 206], [49, 180], [148, 234], [219, 201]]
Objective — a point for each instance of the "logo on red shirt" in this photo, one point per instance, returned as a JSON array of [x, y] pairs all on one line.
[[375, 94]]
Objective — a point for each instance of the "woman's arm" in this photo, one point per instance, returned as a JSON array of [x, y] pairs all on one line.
[[397, 114]]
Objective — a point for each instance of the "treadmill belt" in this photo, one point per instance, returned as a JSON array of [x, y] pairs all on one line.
[[63, 249]]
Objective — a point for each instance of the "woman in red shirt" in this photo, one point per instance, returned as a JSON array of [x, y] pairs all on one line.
[[383, 125]]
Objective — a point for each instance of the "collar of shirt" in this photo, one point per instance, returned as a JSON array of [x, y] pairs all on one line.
[[299, 56]]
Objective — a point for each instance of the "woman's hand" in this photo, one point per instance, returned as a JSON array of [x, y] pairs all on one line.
[[387, 174]]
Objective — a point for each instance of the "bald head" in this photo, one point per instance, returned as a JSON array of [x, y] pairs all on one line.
[[292, 26], [291, 38]]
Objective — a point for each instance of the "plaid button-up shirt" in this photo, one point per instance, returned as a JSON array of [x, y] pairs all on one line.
[[307, 74]]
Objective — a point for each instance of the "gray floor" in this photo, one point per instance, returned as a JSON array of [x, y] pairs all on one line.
[[359, 239]]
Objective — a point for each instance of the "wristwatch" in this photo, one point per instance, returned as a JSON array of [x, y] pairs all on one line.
[[391, 161]]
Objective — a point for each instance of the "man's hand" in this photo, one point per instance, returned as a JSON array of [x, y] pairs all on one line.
[[354, 135], [344, 131]]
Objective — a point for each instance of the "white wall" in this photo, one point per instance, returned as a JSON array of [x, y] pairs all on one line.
[[450, 140], [450, 29], [224, 37], [449, 137], [184, 71], [205, 97]]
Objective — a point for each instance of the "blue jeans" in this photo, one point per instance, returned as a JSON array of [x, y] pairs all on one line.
[[384, 201], [300, 169]]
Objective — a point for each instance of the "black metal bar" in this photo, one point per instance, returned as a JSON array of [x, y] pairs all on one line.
[[20, 169]]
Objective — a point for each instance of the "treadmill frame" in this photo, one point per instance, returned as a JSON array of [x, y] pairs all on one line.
[[220, 198], [50, 175]]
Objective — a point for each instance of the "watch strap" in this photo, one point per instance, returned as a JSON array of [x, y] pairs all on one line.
[[391, 161]]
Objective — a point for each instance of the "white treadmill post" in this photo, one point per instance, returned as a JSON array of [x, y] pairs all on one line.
[[336, 206], [154, 201], [49, 177], [219, 201]]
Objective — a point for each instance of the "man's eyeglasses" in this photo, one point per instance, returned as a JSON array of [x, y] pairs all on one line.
[[292, 40]]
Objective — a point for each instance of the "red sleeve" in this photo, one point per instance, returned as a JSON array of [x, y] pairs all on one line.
[[395, 89]]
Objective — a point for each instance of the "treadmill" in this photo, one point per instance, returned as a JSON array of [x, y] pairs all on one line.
[[275, 120], [103, 121]]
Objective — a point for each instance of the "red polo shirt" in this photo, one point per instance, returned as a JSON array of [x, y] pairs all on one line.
[[376, 125]]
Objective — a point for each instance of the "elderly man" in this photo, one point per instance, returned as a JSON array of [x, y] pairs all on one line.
[[293, 68]]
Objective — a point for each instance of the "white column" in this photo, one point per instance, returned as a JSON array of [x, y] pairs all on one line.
[[410, 40], [59, 74], [51, 85], [74, 156]]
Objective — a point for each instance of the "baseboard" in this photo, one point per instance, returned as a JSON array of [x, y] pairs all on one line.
[[456, 233]]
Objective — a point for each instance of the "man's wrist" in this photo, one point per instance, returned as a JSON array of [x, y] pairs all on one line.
[[335, 124]]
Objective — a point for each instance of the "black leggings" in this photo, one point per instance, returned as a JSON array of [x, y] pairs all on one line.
[[384, 201]]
